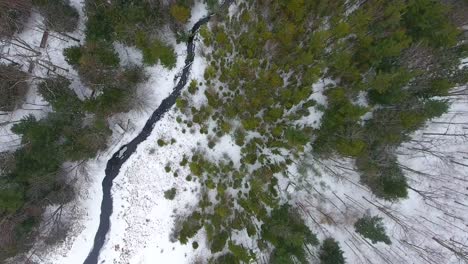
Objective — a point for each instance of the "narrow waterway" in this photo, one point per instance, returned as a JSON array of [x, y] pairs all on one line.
[[122, 155]]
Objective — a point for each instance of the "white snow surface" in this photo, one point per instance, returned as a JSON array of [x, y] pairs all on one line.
[[199, 10]]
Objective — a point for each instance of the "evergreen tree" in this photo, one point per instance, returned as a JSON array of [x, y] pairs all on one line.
[[286, 231], [372, 228], [331, 253]]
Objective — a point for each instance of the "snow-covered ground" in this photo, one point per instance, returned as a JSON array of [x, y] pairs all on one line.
[[141, 214], [328, 192]]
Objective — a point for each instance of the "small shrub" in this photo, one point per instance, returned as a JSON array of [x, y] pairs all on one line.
[[155, 50], [193, 87], [180, 13], [170, 194], [184, 161], [195, 244], [161, 142], [72, 55], [211, 143], [219, 241]]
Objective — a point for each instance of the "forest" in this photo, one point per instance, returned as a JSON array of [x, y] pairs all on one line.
[[33, 176], [402, 57], [384, 69]]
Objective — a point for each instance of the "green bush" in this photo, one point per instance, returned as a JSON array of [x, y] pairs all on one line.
[[427, 20], [161, 142], [331, 253], [219, 241], [155, 50], [11, 196], [286, 231], [58, 93], [190, 227], [99, 25], [170, 194], [194, 244], [73, 55], [372, 228], [193, 87]]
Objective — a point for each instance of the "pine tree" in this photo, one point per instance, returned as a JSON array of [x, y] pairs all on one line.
[[331, 253], [372, 228]]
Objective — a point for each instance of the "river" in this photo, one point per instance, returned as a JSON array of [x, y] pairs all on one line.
[[124, 153]]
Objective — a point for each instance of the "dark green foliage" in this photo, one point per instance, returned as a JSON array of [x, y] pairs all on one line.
[[193, 87], [170, 194], [196, 168], [76, 130], [194, 244], [98, 66], [296, 137], [241, 253], [99, 25], [13, 86], [372, 228], [117, 94], [331, 253], [212, 4], [43, 139], [386, 179], [59, 14], [427, 20], [57, 93], [190, 227], [225, 259], [286, 231], [389, 67], [130, 17], [438, 87], [388, 88], [155, 50], [73, 55], [11, 196], [340, 119], [219, 241], [100, 54], [129, 22]]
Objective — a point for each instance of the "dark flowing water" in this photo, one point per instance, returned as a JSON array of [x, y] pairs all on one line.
[[122, 155]]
